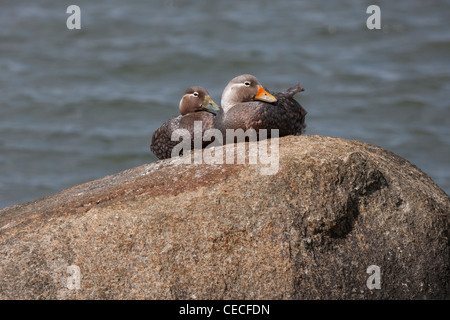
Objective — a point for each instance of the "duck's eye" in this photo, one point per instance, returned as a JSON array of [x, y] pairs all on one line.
[[247, 83], [195, 94]]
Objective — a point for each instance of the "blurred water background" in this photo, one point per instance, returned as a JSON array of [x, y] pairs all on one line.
[[77, 105]]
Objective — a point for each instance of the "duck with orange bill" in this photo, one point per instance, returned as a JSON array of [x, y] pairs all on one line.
[[246, 104]]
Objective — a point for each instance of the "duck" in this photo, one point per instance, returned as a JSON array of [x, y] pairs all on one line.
[[195, 105], [246, 104]]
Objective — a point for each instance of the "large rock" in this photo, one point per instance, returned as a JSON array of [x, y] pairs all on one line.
[[168, 230]]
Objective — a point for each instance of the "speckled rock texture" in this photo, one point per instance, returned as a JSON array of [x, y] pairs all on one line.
[[169, 230]]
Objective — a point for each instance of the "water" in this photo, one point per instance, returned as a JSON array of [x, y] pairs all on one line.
[[76, 105]]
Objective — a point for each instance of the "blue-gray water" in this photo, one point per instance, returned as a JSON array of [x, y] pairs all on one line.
[[76, 105]]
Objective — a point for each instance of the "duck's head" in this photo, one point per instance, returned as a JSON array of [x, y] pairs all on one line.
[[197, 99], [244, 88]]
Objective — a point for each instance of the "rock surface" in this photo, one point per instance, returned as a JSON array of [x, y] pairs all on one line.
[[168, 230]]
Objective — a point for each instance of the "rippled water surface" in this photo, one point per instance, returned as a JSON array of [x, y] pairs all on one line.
[[76, 105]]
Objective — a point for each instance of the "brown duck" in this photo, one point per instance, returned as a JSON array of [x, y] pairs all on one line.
[[195, 105], [247, 105]]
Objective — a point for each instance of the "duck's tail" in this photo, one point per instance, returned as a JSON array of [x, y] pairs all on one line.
[[294, 90]]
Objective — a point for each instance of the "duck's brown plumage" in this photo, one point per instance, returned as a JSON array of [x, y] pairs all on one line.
[[291, 115], [285, 114], [192, 108]]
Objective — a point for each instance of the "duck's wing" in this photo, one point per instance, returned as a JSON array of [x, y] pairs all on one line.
[[162, 143], [291, 111], [206, 118], [254, 115]]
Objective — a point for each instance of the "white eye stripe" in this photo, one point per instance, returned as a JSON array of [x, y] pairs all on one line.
[[242, 84], [195, 94]]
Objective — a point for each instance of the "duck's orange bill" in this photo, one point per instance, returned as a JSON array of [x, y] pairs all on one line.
[[263, 95]]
